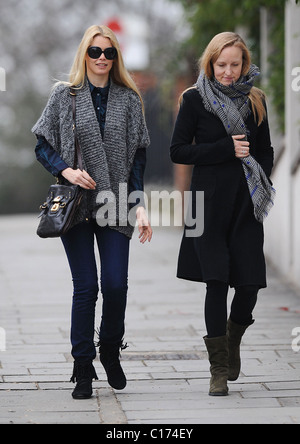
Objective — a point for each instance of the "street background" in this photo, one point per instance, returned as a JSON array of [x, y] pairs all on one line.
[[166, 363]]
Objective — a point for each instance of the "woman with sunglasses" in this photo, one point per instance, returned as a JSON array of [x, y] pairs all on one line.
[[222, 130], [113, 139]]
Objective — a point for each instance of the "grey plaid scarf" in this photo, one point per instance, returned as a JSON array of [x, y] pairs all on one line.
[[231, 105]]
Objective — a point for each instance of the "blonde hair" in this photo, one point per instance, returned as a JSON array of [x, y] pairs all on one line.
[[119, 73], [211, 55]]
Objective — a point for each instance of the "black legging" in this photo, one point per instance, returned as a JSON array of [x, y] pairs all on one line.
[[243, 303]]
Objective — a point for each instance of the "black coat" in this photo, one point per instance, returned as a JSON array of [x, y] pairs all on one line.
[[231, 247]]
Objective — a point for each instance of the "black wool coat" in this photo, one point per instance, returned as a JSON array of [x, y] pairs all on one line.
[[231, 247]]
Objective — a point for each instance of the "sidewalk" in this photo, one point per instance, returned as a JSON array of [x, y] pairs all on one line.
[[166, 363]]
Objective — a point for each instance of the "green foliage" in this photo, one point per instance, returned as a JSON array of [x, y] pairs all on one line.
[[208, 18]]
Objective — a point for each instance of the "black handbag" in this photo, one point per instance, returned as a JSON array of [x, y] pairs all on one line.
[[62, 201]]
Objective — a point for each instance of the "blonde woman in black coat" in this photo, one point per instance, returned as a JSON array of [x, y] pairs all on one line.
[[222, 129]]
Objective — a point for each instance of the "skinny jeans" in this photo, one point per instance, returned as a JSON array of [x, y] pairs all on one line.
[[113, 247], [243, 303]]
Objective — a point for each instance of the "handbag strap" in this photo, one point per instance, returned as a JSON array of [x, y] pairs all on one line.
[[77, 155]]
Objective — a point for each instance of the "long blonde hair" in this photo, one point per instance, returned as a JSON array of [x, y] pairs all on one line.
[[212, 53], [119, 73]]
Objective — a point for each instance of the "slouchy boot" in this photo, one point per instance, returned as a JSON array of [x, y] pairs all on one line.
[[218, 357], [235, 333], [110, 359], [83, 374]]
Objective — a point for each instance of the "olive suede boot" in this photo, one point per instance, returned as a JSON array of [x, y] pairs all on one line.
[[218, 357], [235, 333]]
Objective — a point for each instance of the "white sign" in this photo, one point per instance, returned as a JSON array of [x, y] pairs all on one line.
[[132, 33]]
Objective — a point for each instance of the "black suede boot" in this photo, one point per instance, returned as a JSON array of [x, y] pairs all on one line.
[[110, 359], [83, 374]]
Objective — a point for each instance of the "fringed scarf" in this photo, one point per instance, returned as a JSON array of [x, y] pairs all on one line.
[[232, 105]]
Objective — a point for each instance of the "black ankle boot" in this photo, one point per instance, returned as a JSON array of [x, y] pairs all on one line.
[[83, 374], [110, 359]]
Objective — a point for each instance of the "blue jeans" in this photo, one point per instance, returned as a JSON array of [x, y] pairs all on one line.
[[114, 253]]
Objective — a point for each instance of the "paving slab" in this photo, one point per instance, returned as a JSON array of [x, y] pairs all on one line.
[[166, 362]]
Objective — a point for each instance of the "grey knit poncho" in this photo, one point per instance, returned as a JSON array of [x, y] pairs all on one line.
[[108, 161]]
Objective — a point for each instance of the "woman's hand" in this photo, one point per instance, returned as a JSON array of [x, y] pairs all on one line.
[[78, 177], [241, 147], [144, 225]]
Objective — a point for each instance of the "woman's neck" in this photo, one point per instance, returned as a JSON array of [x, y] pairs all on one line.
[[98, 81]]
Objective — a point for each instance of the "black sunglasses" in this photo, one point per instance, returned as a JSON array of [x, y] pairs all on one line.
[[95, 52]]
